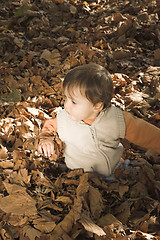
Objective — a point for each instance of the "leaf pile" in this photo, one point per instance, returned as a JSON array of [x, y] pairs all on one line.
[[41, 199], [40, 41]]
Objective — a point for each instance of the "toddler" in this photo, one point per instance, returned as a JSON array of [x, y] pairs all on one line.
[[90, 127]]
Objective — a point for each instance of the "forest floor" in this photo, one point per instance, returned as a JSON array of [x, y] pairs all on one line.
[[40, 41]]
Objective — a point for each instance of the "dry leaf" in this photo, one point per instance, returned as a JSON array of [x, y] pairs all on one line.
[[90, 226], [83, 186], [31, 232], [63, 199], [43, 225], [108, 219], [3, 152], [52, 57], [123, 189], [17, 220], [18, 202], [64, 226], [123, 211], [96, 203], [6, 164], [22, 177]]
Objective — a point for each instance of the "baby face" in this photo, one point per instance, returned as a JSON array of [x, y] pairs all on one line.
[[78, 106]]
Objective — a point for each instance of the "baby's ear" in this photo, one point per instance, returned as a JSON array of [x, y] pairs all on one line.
[[98, 106]]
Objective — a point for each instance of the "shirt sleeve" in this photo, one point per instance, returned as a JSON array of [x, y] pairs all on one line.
[[142, 133], [49, 128]]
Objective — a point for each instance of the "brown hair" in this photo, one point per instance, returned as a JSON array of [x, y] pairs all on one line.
[[93, 80]]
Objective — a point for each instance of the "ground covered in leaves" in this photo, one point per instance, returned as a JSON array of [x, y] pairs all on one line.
[[40, 41]]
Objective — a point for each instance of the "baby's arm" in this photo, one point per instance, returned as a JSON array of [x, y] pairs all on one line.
[[142, 133], [46, 144]]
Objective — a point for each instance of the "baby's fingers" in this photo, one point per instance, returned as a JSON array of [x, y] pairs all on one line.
[[46, 148], [50, 149]]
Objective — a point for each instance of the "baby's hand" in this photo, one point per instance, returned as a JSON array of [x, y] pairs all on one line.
[[46, 147]]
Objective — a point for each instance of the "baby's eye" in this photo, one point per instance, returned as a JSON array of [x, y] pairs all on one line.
[[73, 102]]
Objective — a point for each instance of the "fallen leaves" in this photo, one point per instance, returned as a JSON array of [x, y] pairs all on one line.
[[18, 202], [3, 153], [39, 42], [42, 200], [52, 57]]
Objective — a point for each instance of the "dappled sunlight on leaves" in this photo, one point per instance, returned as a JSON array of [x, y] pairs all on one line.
[[40, 41]]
